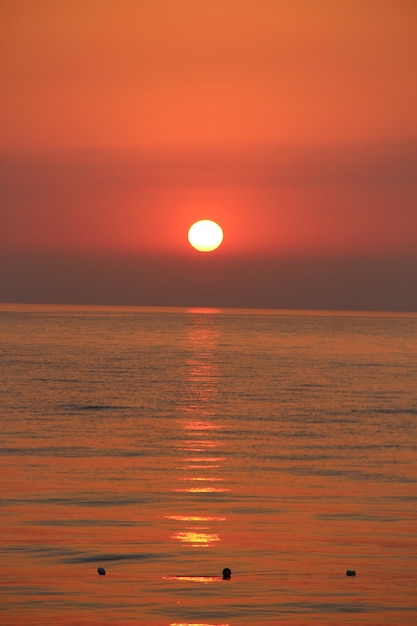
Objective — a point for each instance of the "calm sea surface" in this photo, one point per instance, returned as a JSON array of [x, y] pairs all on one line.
[[167, 444]]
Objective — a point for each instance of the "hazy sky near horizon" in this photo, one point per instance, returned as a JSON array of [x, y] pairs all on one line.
[[290, 122]]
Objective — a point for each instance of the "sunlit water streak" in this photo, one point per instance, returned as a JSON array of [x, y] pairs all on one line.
[[165, 445]]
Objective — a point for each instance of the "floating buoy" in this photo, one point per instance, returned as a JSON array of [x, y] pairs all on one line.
[[227, 573], [350, 572], [101, 571]]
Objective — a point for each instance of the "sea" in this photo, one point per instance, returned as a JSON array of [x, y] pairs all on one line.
[[167, 444]]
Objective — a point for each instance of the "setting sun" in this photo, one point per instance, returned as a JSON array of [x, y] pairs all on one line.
[[205, 235]]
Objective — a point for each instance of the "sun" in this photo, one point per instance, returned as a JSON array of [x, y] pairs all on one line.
[[205, 235]]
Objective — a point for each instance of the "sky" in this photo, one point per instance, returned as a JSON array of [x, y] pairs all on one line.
[[292, 123]]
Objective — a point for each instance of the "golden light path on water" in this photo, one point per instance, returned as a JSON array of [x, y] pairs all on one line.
[[197, 538], [195, 518], [197, 422], [195, 624]]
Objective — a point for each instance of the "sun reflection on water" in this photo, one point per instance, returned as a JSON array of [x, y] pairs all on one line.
[[197, 445], [202, 425], [196, 538], [195, 624], [202, 490], [202, 435], [194, 579], [210, 478]]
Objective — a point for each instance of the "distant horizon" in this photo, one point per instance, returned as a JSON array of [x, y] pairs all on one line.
[[200, 309]]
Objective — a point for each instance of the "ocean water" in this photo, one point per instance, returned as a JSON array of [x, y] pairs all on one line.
[[167, 444]]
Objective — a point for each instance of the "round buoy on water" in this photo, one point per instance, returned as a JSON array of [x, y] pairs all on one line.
[[101, 571], [227, 574], [350, 572]]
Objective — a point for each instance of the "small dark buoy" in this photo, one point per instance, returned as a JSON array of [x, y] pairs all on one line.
[[227, 574], [101, 571], [350, 572]]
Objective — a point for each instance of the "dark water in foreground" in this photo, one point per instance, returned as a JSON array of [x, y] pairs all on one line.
[[165, 445]]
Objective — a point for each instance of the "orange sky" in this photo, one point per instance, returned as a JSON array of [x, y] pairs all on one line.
[[293, 123], [150, 74]]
